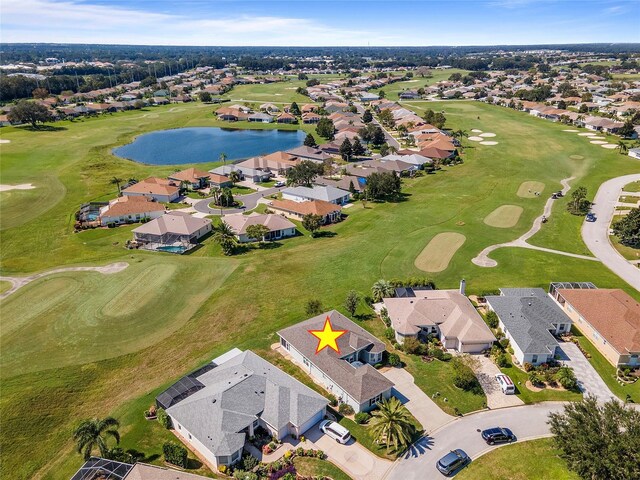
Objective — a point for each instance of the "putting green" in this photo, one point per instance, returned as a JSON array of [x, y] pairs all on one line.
[[505, 216], [529, 189], [435, 257], [82, 317]]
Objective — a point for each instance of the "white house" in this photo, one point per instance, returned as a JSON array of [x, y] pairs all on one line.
[[158, 189], [317, 192], [278, 226], [218, 407], [349, 374], [635, 153], [529, 318]]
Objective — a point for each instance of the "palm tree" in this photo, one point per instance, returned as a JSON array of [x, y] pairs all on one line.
[[93, 433], [223, 158], [622, 147], [116, 181], [234, 176], [391, 424], [225, 237], [381, 289]]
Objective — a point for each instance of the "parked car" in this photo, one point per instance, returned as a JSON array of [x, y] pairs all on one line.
[[279, 184], [591, 217], [452, 461], [506, 384], [335, 431], [498, 435]]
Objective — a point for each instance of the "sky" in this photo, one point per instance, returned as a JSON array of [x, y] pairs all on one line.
[[320, 23]]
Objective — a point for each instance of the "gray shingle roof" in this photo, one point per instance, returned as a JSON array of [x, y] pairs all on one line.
[[528, 315], [236, 393], [317, 192], [363, 382]]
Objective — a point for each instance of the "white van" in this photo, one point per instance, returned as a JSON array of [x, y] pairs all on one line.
[[335, 431], [506, 384]]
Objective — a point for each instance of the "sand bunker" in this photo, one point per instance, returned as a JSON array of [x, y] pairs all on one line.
[[595, 137], [22, 186], [2, 140], [570, 130], [488, 134], [488, 143], [576, 157], [598, 142], [475, 130], [609, 146], [435, 257], [505, 216], [476, 139], [529, 189], [585, 134]]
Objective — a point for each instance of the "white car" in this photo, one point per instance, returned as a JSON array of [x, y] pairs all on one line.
[[335, 431], [279, 184], [506, 384]]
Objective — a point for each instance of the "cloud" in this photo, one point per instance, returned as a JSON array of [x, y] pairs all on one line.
[[615, 10], [71, 21]]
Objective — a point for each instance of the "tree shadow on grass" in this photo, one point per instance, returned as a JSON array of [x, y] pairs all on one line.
[[193, 464], [325, 234], [43, 128]]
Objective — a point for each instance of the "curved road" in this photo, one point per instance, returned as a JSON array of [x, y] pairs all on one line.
[[250, 202], [527, 423], [596, 234]]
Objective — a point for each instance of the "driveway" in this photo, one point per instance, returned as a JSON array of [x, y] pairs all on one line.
[[596, 234], [417, 402], [358, 462], [486, 374], [250, 202], [588, 379], [527, 422]]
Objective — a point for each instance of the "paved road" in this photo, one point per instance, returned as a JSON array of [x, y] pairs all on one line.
[[250, 202], [390, 140], [527, 422], [596, 234]]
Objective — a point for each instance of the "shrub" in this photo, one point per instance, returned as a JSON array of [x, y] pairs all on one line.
[[567, 378], [223, 469], [527, 367], [362, 417], [535, 379], [243, 475], [345, 409], [390, 333], [446, 356], [463, 375], [287, 455], [333, 401], [249, 462], [492, 319], [163, 418], [435, 353], [504, 342], [394, 360], [175, 454], [502, 361], [384, 315], [411, 345], [119, 455]]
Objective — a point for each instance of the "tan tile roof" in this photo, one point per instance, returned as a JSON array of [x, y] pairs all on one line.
[[189, 175], [240, 222], [180, 223], [613, 313], [215, 178], [316, 207], [152, 186], [131, 205]]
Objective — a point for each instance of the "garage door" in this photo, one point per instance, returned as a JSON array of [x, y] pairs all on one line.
[[316, 418]]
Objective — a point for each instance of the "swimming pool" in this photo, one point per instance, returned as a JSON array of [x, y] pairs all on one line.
[[172, 248]]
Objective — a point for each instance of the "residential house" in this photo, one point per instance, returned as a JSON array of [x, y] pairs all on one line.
[[158, 189], [329, 212], [217, 408], [317, 192], [260, 117], [173, 229], [286, 118], [609, 318], [310, 117], [348, 374], [446, 314], [409, 95], [193, 178], [530, 319], [130, 209], [219, 181], [309, 153], [278, 162], [97, 468], [246, 172], [279, 227]]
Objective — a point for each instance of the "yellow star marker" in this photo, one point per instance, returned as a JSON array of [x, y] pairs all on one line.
[[327, 336]]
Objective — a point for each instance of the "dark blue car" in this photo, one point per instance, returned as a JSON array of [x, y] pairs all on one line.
[[498, 435]]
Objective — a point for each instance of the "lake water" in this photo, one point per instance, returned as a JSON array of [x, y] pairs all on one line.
[[205, 144]]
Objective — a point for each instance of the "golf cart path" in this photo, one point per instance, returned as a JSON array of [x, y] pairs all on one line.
[[19, 282], [596, 234], [483, 260]]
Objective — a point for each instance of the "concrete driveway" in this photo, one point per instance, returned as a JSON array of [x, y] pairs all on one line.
[[527, 422], [589, 380], [486, 374], [417, 402], [596, 234], [358, 462]]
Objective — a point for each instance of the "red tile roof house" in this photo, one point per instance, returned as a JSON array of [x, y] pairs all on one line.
[[128, 209], [286, 118], [329, 212], [349, 375], [220, 181], [158, 189], [193, 178], [609, 318]]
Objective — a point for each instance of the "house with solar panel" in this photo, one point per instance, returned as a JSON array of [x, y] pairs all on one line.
[[218, 407]]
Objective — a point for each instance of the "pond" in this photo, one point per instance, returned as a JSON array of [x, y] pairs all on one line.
[[205, 144]]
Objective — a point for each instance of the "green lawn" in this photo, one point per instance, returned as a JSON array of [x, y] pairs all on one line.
[[242, 190], [532, 460], [608, 371], [629, 253], [632, 187], [315, 467], [520, 378], [392, 91], [251, 295], [4, 286]]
